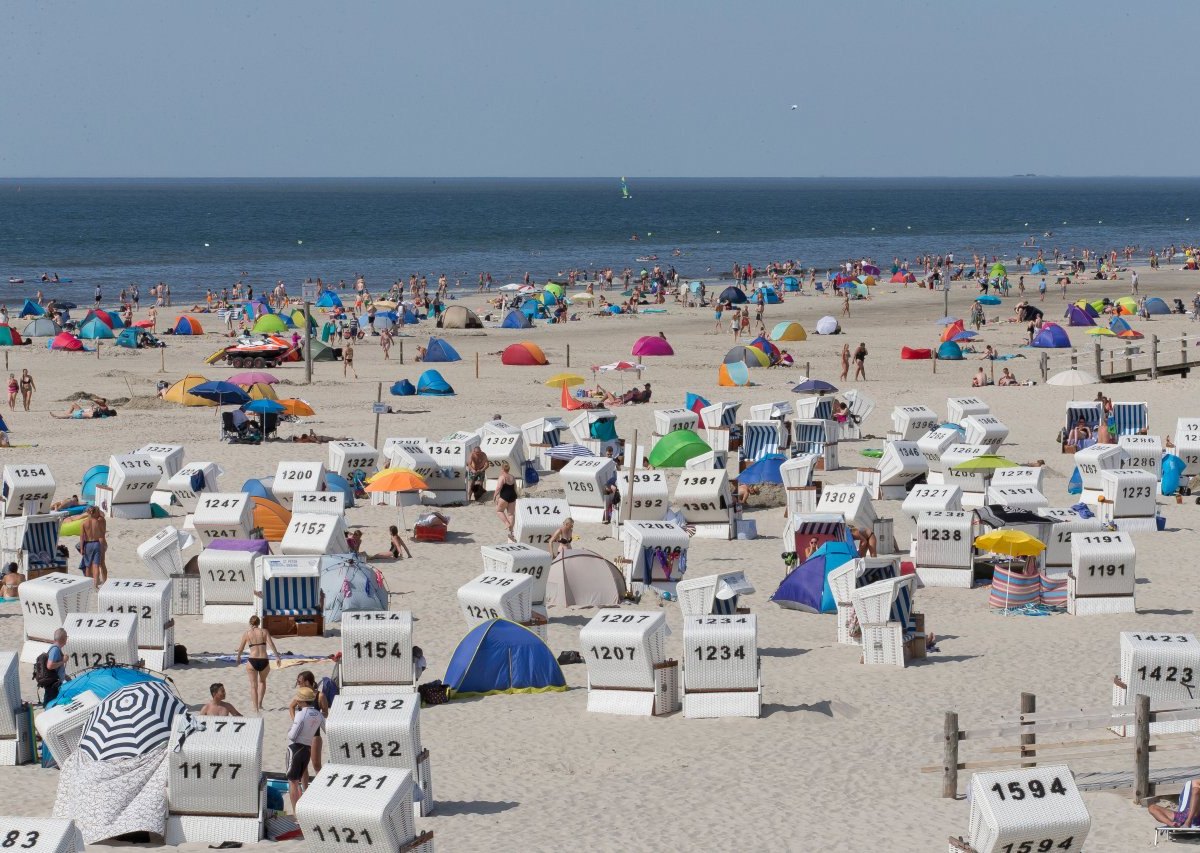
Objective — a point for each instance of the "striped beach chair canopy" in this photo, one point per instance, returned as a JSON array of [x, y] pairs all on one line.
[[41, 543], [292, 587], [1090, 412], [1131, 418], [761, 438]]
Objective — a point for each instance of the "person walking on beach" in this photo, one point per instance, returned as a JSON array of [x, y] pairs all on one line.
[[385, 344], [735, 324], [97, 296], [93, 539], [718, 309], [845, 302], [13, 388], [27, 388], [307, 724], [506, 497], [1042, 290], [1133, 282], [348, 359], [860, 362], [845, 361], [257, 640]]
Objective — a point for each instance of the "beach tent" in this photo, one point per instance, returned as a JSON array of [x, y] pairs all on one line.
[[998, 270], [749, 356], [131, 337], [1052, 336], [329, 299], [732, 295], [1089, 308], [788, 332], [652, 345], [1038, 268], [582, 578], [733, 374], [188, 325], [1127, 304], [323, 351], [103, 682], [10, 337], [459, 317], [297, 318], [499, 656], [771, 351], [1116, 325], [348, 584], [270, 324], [65, 341], [806, 587], [440, 350], [42, 327], [531, 308], [179, 392], [97, 475], [431, 384], [765, 470], [403, 388], [106, 317], [257, 488], [1076, 316], [949, 351], [791, 284], [94, 330], [910, 354], [675, 448], [953, 329], [1156, 306], [515, 319], [828, 326], [271, 517], [770, 296], [523, 354], [31, 309], [335, 482], [408, 317]]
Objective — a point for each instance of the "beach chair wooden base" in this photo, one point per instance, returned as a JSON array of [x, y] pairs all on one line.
[[1098, 605], [960, 577], [708, 704], [1177, 833], [423, 806], [1136, 525], [131, 511], [659, 701], [883, 645], [958, 845], [212, 829], [885, 537], [187, 599], [228, 614], [587, 514], [715, 531], [844, 637]]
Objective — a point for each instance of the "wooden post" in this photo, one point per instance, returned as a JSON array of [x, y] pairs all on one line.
[[1141, 747], [1074, 359], [1028, 706], [950, 758], [1045, 363], [568, 355], [6, 360], [476, 365], [1154, 356], [631, 462], [378, 399], [97, 350], [308, 349], [1128, 358], [162, 359], [934, 360], [1183, 353], [402, 352], [1099, 362], [808, 369]]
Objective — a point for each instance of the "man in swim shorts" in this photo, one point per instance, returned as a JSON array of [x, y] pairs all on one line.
[[92, 542]]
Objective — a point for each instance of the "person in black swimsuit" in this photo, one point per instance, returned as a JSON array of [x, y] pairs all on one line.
[[506, 497], [257, 669]]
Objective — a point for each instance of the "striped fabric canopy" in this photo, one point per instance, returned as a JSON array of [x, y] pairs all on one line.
[[568, 451], [292, 596], [131, 722]]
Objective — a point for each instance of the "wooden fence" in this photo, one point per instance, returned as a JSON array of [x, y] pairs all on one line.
[[1151, 357]]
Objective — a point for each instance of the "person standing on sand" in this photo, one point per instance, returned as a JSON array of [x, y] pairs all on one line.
[[27, 388], [153, 314], [505, 499], [348, 359], [385, 344], [860, 362], [13, 388], [845, 361], [257, 639], [717, 310], [92, 542]]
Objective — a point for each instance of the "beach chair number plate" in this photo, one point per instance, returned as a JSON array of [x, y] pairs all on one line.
[[23, 840], [720, 652], [377, 649], [374, 705], [209, 770], [343, 834], [375, 749], [482, 612], [143, 611], [614, 652], [1046, 845]]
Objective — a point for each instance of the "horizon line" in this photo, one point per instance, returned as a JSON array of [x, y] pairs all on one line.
[[1030, 175]]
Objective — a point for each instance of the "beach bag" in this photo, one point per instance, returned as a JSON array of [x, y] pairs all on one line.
[[433, 693], [569, 656], [531, 475], [43, 676]]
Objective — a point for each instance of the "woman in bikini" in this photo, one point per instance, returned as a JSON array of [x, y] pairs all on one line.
[[257, 663], [506, 497], [12, 392], [27, 388]]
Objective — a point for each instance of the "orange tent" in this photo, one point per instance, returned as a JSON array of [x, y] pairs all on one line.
[[952, 330], [570, 403], [273, 518]]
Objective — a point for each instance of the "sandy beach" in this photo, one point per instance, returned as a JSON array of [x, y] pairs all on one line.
[[833, 764]]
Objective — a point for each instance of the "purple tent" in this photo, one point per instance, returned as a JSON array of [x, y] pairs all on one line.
[[1076, 316]]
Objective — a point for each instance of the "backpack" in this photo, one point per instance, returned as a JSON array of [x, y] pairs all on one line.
[[43, 675]]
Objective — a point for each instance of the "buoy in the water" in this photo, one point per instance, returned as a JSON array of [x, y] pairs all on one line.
[[206, 245], [299, 242]]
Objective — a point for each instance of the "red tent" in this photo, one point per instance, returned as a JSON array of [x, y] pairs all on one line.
[[910, 354], [66, 341], [652, 345]]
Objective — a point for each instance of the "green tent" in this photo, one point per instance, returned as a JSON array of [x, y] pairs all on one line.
[[323, 352], [270, 324], [675, 448], [998, 270], [556, 289]]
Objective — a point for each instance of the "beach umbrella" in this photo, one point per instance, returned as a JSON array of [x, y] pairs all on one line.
[[621, 367], [297, 408], [964, 335], [396, 480], [385, 303], [828, 325], [1101, 331], [131, 722], [1072, 378], [260, 391], [1012, 543], [674, 449], [583, 297], [565, 380], [814, 386], [221, 393], [568, 451], [765, 470], [988, 300], [986, 462], [509, 288], [253, 377], [264, 407], [871, 269]]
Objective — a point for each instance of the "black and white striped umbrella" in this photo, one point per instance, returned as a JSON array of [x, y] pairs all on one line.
[[131, 722], [568, 451]]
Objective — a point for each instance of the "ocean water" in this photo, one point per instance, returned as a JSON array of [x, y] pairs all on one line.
[[197, 234]]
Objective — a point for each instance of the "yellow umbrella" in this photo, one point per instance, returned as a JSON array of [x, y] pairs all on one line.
[[1101, 330], [1012, 543], [396, 480], [296, 407], [565, 380]]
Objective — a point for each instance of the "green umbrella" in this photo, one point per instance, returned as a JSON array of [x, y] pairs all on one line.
[[675, 448], [985, 462]]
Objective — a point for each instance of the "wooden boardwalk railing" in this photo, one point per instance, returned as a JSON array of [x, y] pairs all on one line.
[[1151, 357]]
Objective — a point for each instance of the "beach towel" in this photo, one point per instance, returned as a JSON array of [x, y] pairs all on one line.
[[111, 798]]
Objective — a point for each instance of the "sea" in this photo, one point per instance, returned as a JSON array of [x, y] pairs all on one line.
[[210, 233]]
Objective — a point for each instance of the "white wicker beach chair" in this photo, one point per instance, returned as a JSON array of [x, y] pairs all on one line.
[[361, 805], [1131, 418], [215, 785], [519, 558], [987, 430], [349, 457], [721, 666], [851, 501], [761, 438], [291, 601], [1103, 574], [933, 445], [639, 541], [42, 834], [959, 409], [382, 730], [713, 595], [1145, 452], [1187, 444], [1165, 667], [314, 534], [670, 420], [223, 515], [911, 422], [320, 503], [704, 500], [584, 480], [537, 519], [168, 457], [651, 495], [377, 652], [628, 668], [500, 448], [162, 553], [100, 639], [1023, 809], [1129, 499], [500, 596], [930, 499], [45, 602], [150, 601], [31, 541], [15, 741], [900, 465], [293, 476], [542, 435], [814, 407], [1066, 523], [861, 407], [191, 481], [1016, 497], [973, 482], [797, 474], [853, 575], [60, 727], [228, 585], [819, 438], [28, 489], [944, 553], [885, 615], [1091, 461], [132, 480]]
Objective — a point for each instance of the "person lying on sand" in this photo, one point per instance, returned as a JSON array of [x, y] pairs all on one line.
[[65, 503], [311, 437], [86, 411]]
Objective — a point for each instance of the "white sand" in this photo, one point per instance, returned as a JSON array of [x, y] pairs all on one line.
[[833, 763]]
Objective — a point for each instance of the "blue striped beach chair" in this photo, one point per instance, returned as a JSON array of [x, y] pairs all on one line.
[[1091, 414], [902, 607], [41, 545], [292, 596], [553, 437], [1131, 418], [761, 438]]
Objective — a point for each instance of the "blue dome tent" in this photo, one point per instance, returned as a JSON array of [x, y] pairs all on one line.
[[1119, 324], [1052, 336], [1076, 316], [335, 482], [514, 319], [502, 657], [403, 388], [257, 489], [94, 330], [807, 586], [791, 284], [770, 296], [431, 384], [1156, 306], [329, 299], [732, 295], [409, 317], [1038, 268], [131, 337], [949, 351], [440, 350], [102, 681], [31, 309]]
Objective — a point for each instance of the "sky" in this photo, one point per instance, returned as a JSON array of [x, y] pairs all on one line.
[[466, 88]]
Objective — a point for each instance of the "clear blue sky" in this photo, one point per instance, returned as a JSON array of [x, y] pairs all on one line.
[[572, 88]]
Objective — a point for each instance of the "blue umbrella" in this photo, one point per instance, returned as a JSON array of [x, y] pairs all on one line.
[[814, 386], [221, 393], [964, 336], [765, 470], [984, 300], [264, 407]]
